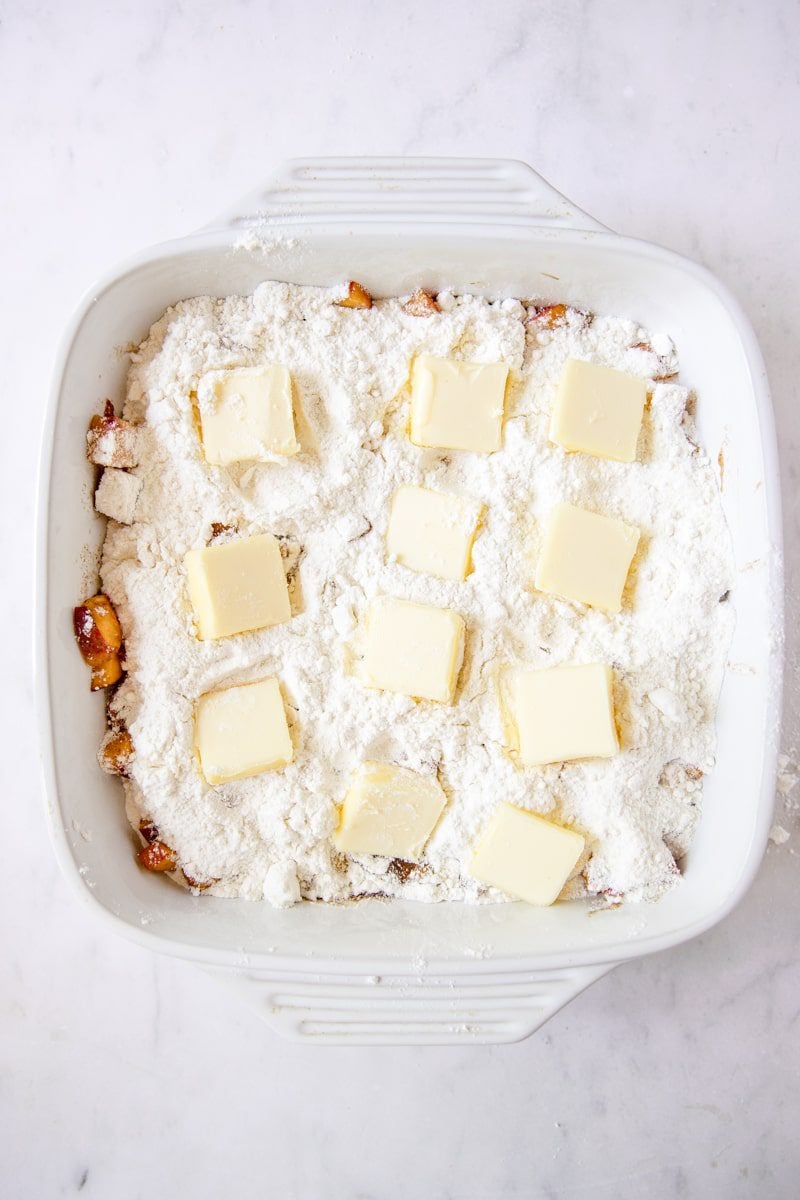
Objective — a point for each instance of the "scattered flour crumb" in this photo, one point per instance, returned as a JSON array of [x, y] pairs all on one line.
[[281, 887], [117, 494], [258, 240], [788, 775], [779, 835]]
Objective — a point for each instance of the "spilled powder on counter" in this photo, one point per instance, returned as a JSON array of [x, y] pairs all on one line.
[[269, 836]]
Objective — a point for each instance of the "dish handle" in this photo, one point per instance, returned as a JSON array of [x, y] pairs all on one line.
[[414, 1010], [312, 191]]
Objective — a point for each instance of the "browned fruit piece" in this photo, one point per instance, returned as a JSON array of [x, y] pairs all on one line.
[[107, 420], [97, 629], [401, 869], [148, 830], [198, 884], [111, 441], [105, 618], [550, 314], [106, 673], [89, 638], [693, 772], [99, 637], [218, 530], [357, 297], [422, 304], [117, 752], [157, 856]]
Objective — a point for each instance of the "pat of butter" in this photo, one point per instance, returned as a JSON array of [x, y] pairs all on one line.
[[586, 557], [242, 731], [246, 414], [598, 410], [414, 649], [431, 532], [526, 856], [389, 810], [563, 713], [238, 586], [457, 405]]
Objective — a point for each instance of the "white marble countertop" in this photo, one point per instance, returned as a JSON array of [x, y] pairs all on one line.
[[122, 1074]]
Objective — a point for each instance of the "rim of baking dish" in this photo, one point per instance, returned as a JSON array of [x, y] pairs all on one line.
[[223, 237]]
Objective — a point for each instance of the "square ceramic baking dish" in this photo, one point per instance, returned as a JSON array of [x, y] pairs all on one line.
[[402, 972]]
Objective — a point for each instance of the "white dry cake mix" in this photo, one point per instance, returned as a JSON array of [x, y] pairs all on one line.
[[269, 836]]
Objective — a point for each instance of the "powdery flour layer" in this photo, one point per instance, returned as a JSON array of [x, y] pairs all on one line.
[[269, 836]]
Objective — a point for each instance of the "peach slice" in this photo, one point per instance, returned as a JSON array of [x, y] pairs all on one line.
[[199, 885], [548, 315], [148, 829], [357, 297], [157, 856], [97, 629], [106, 673], [99, 637], [116, 752], [219, 532], [422, 304], [112, 441]]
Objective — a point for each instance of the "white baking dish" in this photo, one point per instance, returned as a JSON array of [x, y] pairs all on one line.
[[392, 972]]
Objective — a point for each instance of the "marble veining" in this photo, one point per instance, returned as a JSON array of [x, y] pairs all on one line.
[[123, 1074]]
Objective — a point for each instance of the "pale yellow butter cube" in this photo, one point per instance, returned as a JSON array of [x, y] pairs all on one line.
[[586, 557], [526, 856], [562, 713], [431, 532], [242, 731], [598, 410], [238, 586], [457, 405], [389, 810], [414, 649], [246, 414]]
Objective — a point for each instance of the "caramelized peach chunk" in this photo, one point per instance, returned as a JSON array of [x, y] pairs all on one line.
[[402, 870], [116, 752], [148, 829], [549, 315], [157, 856], [97, 629], [106, 673], [99, 637], [199, 885], [422, 304], [220, 531], [357, 296], [112, 441]]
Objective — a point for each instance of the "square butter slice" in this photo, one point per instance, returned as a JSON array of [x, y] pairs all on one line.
[[586, 557], [238, 586], [246, 414], [431, 532], [598, 411], [562, 713], [526, 856], [242, 731], [414, 649], [389, 810], [457, 405]]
